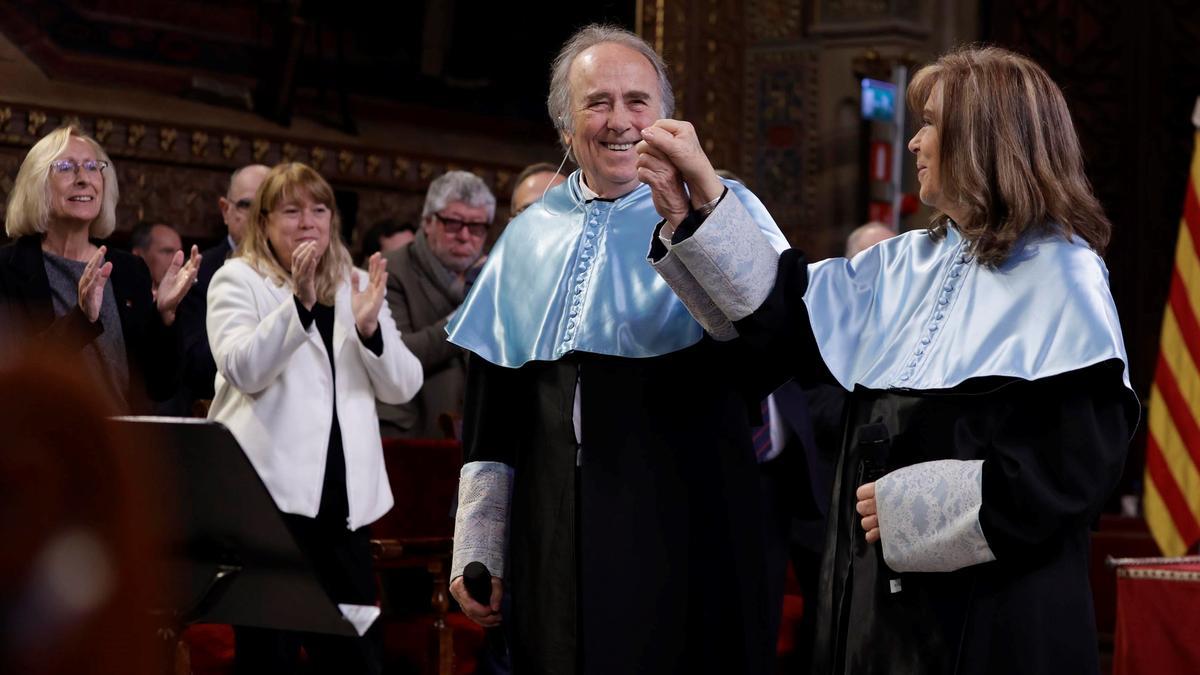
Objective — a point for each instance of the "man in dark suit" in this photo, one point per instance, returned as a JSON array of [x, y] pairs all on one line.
[[797, 448], [427, 281], [199, 367]]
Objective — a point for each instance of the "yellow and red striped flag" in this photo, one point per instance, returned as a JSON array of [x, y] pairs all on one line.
[[1172, 487]]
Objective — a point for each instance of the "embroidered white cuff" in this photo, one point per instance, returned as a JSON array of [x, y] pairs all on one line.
[[692, 295], [481, 524], [929, 516], [731, 258]]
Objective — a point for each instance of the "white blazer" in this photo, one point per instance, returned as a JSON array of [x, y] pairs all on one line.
[[275, 390]]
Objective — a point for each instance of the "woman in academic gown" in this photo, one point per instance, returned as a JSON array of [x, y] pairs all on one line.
[[991, 404]]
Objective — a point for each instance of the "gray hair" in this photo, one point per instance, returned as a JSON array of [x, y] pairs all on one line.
[[558, 103], [459, 186]]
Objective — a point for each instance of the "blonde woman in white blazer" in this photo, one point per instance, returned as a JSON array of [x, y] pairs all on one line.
[[306, 420]]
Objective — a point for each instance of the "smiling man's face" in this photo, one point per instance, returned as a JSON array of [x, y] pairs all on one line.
[[614, 95]]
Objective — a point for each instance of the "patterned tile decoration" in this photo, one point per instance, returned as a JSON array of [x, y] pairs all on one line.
[[779, 124], [175, 173]]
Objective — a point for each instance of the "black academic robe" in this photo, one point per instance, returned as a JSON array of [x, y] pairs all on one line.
[[640, 551], [1053, 449]]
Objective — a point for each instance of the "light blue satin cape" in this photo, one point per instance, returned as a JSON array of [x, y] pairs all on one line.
[[571, 275], [914, 313]]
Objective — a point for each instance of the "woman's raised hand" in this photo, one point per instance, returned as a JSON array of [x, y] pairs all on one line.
[[367, 302], [304, 273], [176, 283], [91, 284]]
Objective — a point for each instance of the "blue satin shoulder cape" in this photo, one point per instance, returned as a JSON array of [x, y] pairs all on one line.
[[914, 313], [569, 275]]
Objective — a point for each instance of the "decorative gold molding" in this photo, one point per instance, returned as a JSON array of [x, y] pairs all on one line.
[[104, 128], [317, 157], [34, 122], [166, 138], [21, 126], [261, 147], [229, 146], [199, 144]]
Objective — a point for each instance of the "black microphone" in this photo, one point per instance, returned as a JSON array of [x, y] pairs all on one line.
[[478, 581], [874, 446]]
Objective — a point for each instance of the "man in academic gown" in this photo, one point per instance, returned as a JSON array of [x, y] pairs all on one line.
[[622, 517]]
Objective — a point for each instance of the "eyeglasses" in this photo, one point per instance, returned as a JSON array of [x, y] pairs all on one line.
[[243, 204], [71, 166], [453, 225]]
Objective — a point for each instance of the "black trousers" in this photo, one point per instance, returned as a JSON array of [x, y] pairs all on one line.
[[342, 561]]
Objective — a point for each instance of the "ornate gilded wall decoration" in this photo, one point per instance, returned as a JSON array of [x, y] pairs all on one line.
[[289, 152], [427, 171], [261, 147], [372, 165], [104, 128], [34, 122], [774, 20], [199, 144], [779, 142], [166, 138], [230, 145], [134, 138], [345, 161], [318, 155]]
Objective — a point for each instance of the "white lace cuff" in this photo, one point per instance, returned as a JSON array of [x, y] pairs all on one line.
[[481, 524], [731, 258], [688, 290], [929, 516]]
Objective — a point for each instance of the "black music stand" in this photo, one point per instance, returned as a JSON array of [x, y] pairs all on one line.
[[229, 557]]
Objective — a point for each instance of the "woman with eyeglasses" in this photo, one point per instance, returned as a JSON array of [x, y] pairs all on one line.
[[304, 345], [62, 289]]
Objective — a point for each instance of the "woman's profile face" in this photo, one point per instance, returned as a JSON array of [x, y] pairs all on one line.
[[927, 147], [292, 223]]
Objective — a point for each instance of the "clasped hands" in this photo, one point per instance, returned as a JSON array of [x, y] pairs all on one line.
[[364, 303], [671, 161], [174, 285]]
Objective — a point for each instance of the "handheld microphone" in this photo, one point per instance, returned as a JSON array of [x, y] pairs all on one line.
[[478, 581], [874, 445]]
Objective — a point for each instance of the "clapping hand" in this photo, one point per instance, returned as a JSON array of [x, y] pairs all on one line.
[[175, 284], [304, 273], [367, 302], [92, 282]]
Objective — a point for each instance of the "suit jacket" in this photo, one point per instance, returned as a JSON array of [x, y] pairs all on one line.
[[805, 469], [276, 393], [421, 309], [151, 348], [199, 370]]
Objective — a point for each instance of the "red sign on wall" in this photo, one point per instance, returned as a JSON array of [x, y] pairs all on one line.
[[881, 161], [880, 212]]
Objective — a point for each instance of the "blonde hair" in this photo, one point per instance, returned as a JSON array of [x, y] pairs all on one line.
[[1009, 155], [286, 183], [28, 210]]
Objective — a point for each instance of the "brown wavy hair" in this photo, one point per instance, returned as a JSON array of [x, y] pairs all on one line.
[[284, 184], [1009, 155]]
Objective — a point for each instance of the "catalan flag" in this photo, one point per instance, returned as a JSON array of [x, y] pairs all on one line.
[[1172, 487]]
